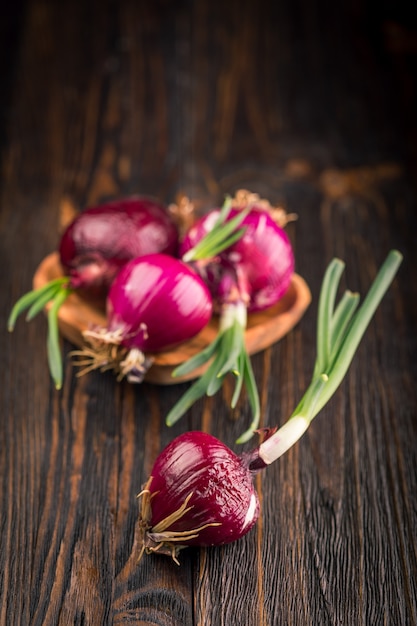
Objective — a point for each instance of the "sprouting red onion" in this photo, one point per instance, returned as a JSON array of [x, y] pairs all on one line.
[[256, 270], [251, 274], [155, 302], [93, 248], [200, 493]]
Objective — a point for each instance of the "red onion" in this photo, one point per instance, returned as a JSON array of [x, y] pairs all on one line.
[[93, 248], [101, 239], [250, 274], [256, 270], [156, 301], [200, 493]]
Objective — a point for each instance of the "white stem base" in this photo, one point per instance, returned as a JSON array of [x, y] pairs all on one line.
[[285, 437], [231, 313]]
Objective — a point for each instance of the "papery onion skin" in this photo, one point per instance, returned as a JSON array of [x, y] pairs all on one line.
[[161, 293], [101, 239], [222, 503], [260, 264]]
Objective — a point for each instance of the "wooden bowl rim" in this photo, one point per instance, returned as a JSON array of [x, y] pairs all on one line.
[[264, 328]]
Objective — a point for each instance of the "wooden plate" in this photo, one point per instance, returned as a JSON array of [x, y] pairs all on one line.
[[264, 328]]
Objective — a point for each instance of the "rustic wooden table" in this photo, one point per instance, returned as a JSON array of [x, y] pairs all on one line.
[[311, 107]]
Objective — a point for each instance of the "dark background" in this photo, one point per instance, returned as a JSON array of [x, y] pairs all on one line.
[[312, 105]]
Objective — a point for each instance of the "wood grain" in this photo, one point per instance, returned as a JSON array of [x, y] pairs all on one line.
[[311, 106]]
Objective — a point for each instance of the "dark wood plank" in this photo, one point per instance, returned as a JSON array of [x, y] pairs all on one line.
[[312, 107]]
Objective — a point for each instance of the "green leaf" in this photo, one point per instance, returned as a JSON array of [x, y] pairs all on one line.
[[345, 328], [359, 325], [325, 312], [239, 380], [223, 234], [53, 347], [30, 298], [197, 360], [224, 211], [217, 247], [233, 340], [229, 355], [341, 319], [215, 385], [253, 395], [195, 392], [42, 300]]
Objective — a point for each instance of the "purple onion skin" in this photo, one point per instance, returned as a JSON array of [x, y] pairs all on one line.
[[260, 264], [101, 239], [163, 294], [223, 504]]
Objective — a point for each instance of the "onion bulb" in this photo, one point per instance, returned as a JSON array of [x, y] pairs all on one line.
[[200, 493], [155, 302]]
